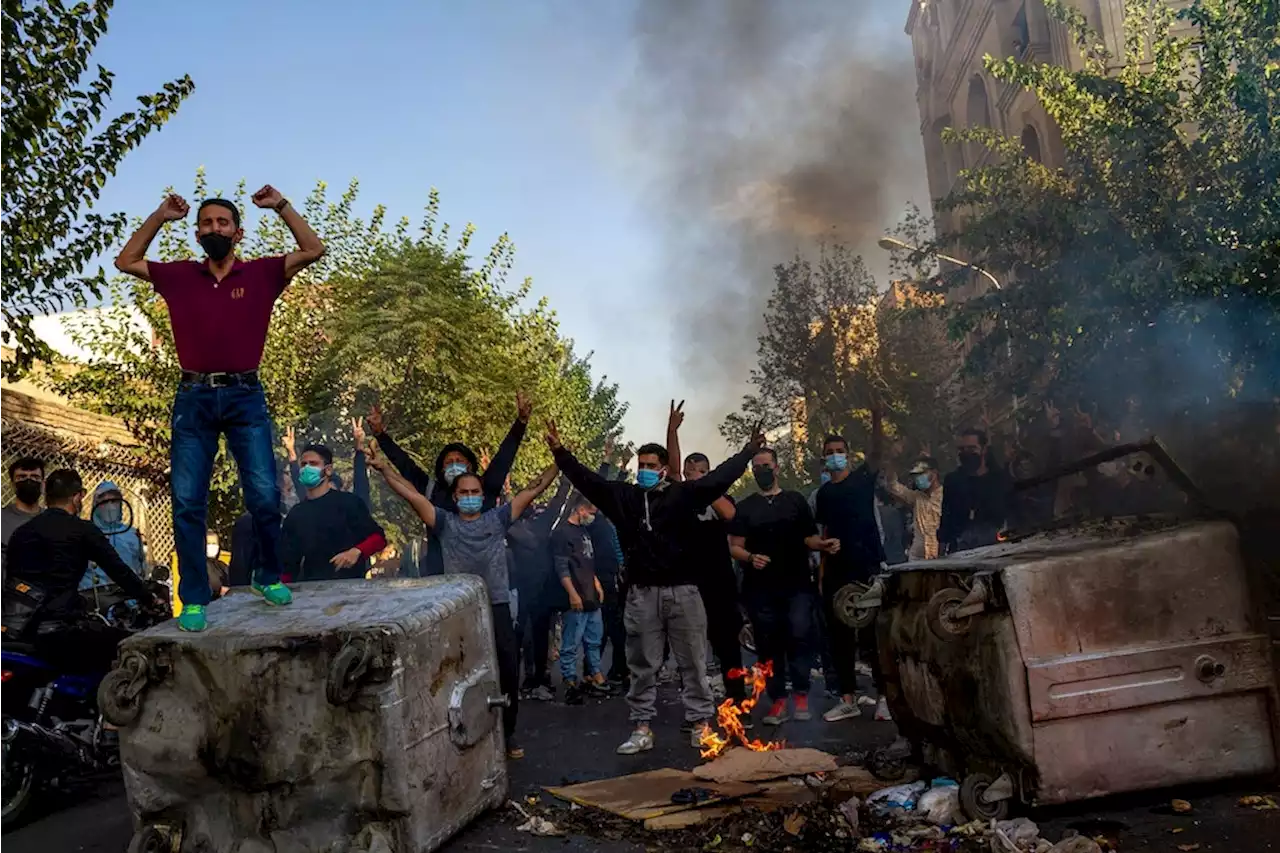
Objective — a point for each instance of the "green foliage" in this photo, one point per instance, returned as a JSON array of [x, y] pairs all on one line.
[[384, 316], [1145, 266], [837, 356], [58, 155]]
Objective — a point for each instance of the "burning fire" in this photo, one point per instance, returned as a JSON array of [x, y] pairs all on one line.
[[728, 715]]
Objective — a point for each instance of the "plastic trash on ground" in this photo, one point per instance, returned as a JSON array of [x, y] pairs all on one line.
[[940, 805], [363, 710], [897, 797]]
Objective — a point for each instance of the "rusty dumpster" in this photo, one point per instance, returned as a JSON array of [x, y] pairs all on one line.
[[364, 717], [1112, 657]]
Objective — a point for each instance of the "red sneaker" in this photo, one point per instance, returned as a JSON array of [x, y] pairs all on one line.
[[777, 714], [802, 707]]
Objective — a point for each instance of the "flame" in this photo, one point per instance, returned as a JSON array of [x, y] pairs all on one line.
[[1002, 536], [728, 716]]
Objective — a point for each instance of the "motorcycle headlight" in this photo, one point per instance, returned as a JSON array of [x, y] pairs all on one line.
[[10, 730]]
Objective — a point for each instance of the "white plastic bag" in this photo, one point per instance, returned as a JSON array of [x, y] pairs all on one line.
[[940, 805], [897, 796]]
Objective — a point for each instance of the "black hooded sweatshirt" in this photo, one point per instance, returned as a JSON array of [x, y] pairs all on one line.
[[655, 525], [493, 479]]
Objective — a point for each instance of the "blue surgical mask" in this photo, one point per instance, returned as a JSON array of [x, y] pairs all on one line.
[[923, 482], [837, 462], [454, 470], [310, 476], [470, 504], [647, 478]]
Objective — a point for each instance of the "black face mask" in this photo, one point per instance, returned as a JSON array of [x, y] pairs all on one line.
[[216, 246], [28, 491], [765, 476], [970, 462]]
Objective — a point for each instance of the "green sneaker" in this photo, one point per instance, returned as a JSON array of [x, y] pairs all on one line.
[[192, 618], [276, 594]]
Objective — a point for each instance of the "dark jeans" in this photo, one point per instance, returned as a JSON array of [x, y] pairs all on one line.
[[783, 626], [200, 415], [724, 625], [615, 637], [508, 648], [536, 628], [845, 643]]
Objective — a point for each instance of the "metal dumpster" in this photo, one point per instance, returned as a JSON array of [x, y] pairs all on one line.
[[364, 717], [1079, 663]]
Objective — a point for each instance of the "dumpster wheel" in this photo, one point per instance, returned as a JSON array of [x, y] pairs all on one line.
[[845, 605], [150, 839], [972, 789], [941, 615]]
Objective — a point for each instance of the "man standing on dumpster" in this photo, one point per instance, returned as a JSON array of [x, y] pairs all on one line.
[[220, 309], [654, 517]]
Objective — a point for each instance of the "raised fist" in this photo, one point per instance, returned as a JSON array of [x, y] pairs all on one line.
[[173, 208]]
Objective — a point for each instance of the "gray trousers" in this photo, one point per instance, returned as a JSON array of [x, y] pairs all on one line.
[[655, 616]]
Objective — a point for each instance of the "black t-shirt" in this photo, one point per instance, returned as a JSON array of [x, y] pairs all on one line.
[[775, 526], [846, 510], [709, 552], [319, 529], [574, 556]]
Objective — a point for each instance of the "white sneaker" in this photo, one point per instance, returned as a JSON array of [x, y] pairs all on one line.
[[862, 669], [864, 699], [640, 741], [882, 711], [843, 711]]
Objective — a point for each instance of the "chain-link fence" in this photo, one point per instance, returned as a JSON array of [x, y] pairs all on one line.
[[146, 489]]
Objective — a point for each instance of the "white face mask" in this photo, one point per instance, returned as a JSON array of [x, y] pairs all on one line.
[[212, 551]]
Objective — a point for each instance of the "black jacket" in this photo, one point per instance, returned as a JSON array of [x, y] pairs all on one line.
[[974, 509], [655, 525], [52, 552]]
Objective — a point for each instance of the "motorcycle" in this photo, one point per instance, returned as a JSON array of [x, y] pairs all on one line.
[[53, 733]]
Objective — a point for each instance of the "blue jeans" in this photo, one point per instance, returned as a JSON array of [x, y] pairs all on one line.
[[784, 628], [581, 627], [200, 415]]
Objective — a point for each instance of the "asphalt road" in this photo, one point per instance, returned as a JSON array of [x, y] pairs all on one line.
[[572, 744]]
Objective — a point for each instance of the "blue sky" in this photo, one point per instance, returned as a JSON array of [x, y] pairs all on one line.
[[509, 108]]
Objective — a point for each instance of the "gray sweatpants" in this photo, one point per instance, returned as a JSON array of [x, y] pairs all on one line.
[[655, 616]]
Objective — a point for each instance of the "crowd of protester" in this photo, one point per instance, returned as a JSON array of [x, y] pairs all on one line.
[[663, 573]]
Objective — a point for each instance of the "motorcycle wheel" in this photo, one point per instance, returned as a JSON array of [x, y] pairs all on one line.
[[19, 787]]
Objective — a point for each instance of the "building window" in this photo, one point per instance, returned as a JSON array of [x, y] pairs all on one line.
[[1021, 33], [1031, 143], [977, 114]]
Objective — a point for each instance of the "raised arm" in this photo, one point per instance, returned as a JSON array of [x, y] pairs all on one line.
[[495, 475], [310, 248], [359, 465], [707, 489], [675, 471], [396, 455], [402, 487], [594, 488], [521, 501], [133, 257], [547, 520]]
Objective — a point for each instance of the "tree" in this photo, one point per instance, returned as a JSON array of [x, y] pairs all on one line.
[[57, 158], [384, 315], [837, 355], [1140, 274]]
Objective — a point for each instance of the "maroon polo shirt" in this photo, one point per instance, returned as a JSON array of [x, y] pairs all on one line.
[[219, 326]]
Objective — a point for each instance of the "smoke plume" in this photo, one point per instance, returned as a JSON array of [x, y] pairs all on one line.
[[772, 127]]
